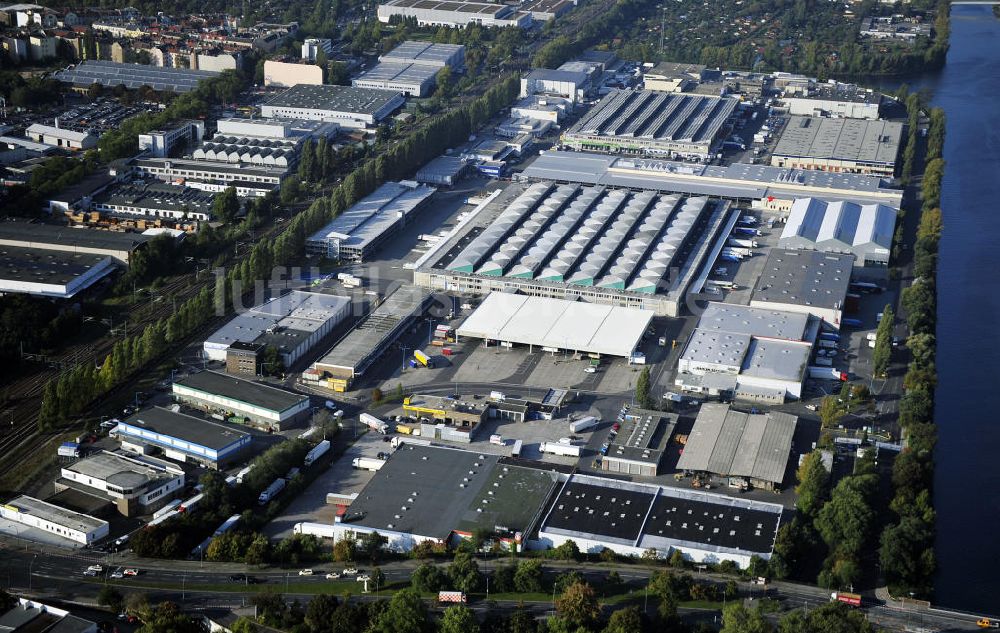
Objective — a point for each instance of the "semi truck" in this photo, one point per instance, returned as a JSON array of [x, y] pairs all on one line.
[[271, 491], [243, 473], [367, 463], [162, 518], [68, 449], [852, 323], [423, 359], [583, 424], [827, 373], [321, 530], [738, 250], [227, 525], [743, 243], [555, 448], [170, 507], [829, 336], [825, 344], [190, 504], [824, 362], [374, 423], [515, 450], [317, 451], [852, 599], [452, 596], [745, 230]]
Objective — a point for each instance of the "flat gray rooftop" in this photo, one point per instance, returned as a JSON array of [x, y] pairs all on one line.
[[359, 347], [643, 436], [35, 234], [806, 278], [186, 427], [55, 514], [776, 360], [158, 196], [334, 98], [422, 490], [739, 180], [840, 139], [212, 166], [119, 470], [424, 53], [760, 322], [133, 76], [249, 392], [733, 443], [26, 264], [415, 74]]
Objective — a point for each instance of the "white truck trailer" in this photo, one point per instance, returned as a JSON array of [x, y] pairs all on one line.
[[317, 451], [271, 491], [321, 530], [565, 450], [374, 423], [583, 424], [367, 463]]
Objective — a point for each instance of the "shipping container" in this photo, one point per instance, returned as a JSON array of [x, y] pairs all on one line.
[[827, 373], [852, 599], [515, 450], [423, 359], [166, 516]]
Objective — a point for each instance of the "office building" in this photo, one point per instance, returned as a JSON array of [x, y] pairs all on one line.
[[35, 513], [136, 485]]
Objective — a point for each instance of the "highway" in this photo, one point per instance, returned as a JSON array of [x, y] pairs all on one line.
[[58, 573]]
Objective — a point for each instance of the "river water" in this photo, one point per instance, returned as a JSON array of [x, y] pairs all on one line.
[[967, 474]]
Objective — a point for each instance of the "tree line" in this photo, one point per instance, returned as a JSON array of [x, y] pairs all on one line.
[[907, 543]]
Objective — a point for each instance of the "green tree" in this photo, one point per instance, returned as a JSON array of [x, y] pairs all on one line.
[[907, 556], [377, 579], [882, 353], [464, 573], [642, 395], [405, 613], [428, 578], [627, 620], [578, 605], [736, 618], [846, 521], [258, 550], [321, 612], [344, 550], [814, 484], [528, 577], [830, 412], [226, 205], [110, 597], [458, 619]]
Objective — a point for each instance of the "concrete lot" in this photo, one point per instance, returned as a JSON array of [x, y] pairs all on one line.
[[340, 477]]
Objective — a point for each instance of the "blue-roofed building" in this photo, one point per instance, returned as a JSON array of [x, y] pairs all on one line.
[[183, 437]]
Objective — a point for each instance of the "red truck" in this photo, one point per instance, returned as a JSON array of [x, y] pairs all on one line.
[[852, 599]]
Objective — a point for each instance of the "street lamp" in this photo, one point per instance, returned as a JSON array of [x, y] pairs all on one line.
[[30, 565]]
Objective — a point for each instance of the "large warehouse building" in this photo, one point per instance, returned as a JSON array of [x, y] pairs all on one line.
[[292, 323], [756, 354], [183, 437], [833, 99], [808, 282], [362, 346], [43, 237], [865, 230], [38, 514], [245, 401], [638, 447], [752, 450], [631, 518], [357, 233], [349, 106], [438, 494], [556, 325], [133, 76], [613, 247], [50, 273], [426, 54], [457, 13], [413, 80], [775, 188], [654, 123], [853, 146]]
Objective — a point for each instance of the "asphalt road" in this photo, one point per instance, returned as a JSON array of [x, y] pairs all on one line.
[[52, 573]]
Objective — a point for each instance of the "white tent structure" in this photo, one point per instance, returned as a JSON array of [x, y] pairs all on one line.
[[841, 227], [557, 324]]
